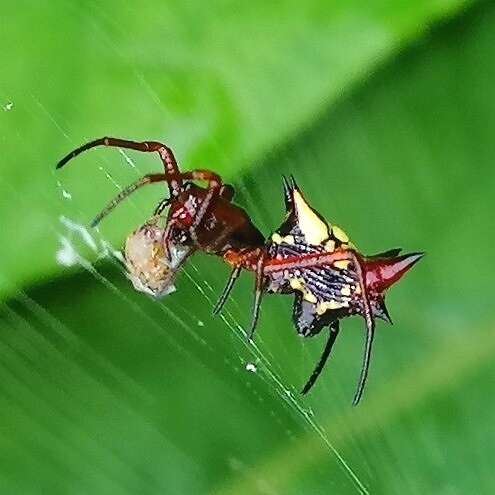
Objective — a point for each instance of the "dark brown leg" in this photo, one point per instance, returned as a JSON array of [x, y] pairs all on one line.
[[206, 205], [239, 260], [213, 179], [307, 261], [144, 181], [258, 294], [334, 331], [370, 333], [161, 207], [166, 237], [234, 275]]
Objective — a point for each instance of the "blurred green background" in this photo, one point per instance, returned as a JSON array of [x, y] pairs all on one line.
[[384, 112]]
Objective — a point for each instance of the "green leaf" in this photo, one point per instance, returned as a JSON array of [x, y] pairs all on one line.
[[221, 85], [106, 391]]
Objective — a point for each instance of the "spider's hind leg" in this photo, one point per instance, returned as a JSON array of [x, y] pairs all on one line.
[[370, 333], [334, 331]]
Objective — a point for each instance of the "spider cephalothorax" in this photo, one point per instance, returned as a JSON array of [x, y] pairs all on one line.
[[306, 257], [211, 223]]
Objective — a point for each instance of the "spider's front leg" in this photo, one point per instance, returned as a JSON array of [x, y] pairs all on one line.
[[213, 179], [166, 155]]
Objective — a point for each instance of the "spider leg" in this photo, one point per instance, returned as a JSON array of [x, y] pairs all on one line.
[[258, 294], [216, 189], [307, 261], [166, 238], [144, 181], [249, 259], [370, 333], [209, 200], [161, 206], [334, 331], [370, 327], [166, 155], [320, 259], [234, 275], [205, 175]]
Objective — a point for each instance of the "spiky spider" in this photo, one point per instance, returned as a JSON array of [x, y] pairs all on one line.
[[306, 256], [326, 293]]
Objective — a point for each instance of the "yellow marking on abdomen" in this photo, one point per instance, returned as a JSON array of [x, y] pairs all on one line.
[[325, 306], [314, 229], [298, 284], [342, 264], [330, 246], [340, 234], [346, 290]]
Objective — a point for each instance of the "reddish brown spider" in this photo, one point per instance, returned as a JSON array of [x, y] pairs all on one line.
[[306, 256]]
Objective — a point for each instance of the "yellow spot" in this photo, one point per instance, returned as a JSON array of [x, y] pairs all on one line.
[[342, 264], [288, 239], [358, 289], [314, 229], [346, 290], [297, 284], [307, 296], [330, 246], [329, 305], [276, 238], [340, 234]]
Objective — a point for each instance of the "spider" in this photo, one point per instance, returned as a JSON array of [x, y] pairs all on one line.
[[305, 257], [326, 293]]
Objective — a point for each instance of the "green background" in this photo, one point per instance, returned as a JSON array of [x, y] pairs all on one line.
[[384, 112]]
